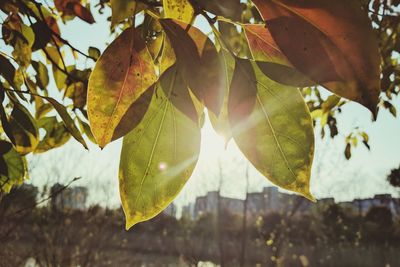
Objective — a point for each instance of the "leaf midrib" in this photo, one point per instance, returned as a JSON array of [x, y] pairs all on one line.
[[275, 136], [167, 105]]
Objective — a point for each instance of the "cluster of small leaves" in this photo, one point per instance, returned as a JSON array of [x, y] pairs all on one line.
[[394, 177], [32, 61]]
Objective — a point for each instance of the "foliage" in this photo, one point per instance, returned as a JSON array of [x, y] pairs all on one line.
[[258, 73], [394, 177]]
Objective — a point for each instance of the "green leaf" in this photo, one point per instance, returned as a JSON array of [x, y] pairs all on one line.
[[94, 53], [28, 34], [56, 134], [123, 9], [12, 167], [330, 103], [221, 122], [178, 9], [22, 53], [68, 121], [42, 76], [85, 128], [121, 75], [167, 57], [78, 93], [24, 130], [272, 126], [157, 157], [59, 76]]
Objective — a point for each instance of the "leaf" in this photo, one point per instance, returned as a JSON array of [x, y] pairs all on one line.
[[347, 151], [231, 9], [5, 124], [42, 35], [78, 93], [68, 121], [7, 70], [242, 92], [53, 55], [273, 63], [330, 103], [42, 76], [22, 53], [123, 9], [167, 58], [134, 115], [180, 96], [94, 53], [12, 167], [157, 157], [220, 123], [334, 44], [121, 75], [83, 13], [85, 128], [56, 134], [24, 130], [162, 53], [198, 62], [178, 9], [74, 8], [272, 126], [390, 107]]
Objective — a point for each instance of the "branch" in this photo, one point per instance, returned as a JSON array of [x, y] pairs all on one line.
[[54, 194], [217, 34], [64, 41]]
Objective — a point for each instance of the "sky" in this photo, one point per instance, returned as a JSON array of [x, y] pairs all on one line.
[[332, 176]]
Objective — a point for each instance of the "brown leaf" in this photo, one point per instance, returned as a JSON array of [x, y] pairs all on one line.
[[198, 62], [273, 62], [74, 8], [242, 92], [332, 42]]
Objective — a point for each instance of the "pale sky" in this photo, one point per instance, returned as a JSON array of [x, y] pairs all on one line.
[[363, 176]]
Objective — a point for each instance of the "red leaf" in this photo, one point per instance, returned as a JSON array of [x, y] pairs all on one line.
[[332, 42]]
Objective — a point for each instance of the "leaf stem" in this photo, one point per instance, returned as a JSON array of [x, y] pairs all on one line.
[[216, 32]]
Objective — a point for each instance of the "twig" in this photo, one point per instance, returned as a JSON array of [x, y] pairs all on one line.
[[217, 34], [66, 42], [52, 195]]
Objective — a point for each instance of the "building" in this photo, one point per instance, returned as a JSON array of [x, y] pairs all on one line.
[[170, 210], [70, 198], [271, 200]]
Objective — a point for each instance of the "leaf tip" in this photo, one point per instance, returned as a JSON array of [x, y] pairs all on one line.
[[129, 224], [305, 192], [132, 220], [310, 197]]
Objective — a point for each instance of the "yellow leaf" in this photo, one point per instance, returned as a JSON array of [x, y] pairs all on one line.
[[178, 9], [121, 75]]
